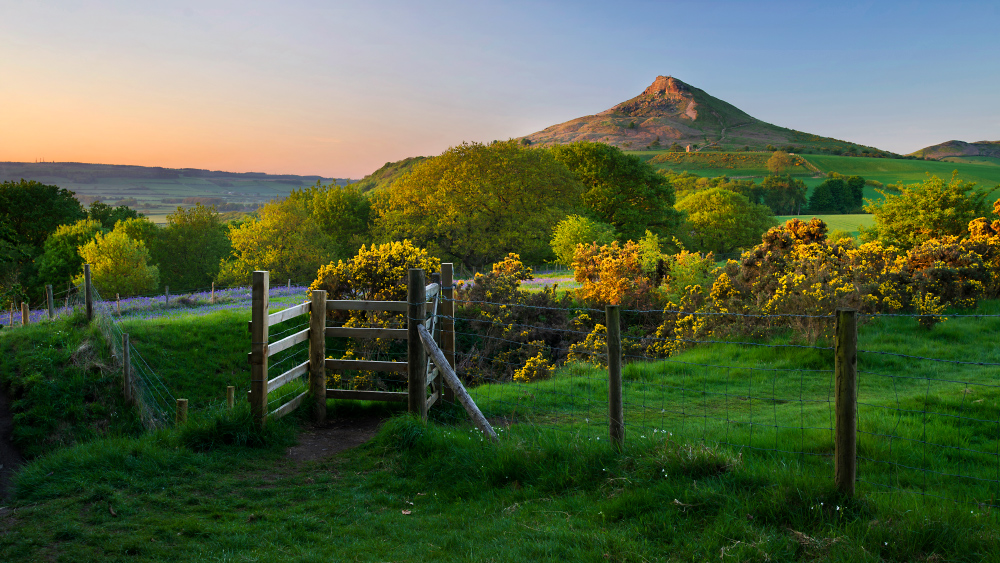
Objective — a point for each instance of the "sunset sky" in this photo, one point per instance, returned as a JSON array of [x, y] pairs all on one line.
[[340, 88]]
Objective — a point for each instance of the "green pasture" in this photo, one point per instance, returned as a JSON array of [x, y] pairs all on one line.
[[894, 171], [847, 223]]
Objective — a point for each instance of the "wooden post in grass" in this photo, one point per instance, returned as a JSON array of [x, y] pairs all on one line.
[[166, 295], [616, 414], [289, 283], [118, 303], [181, 416], [49, 301], [88, 294], [10, 319], [846, 401], [447, 310], [25, 313], [212, 299], [317, 354], [126, 369], [258, 347], [230, 397], [69, 289], [416, 359]]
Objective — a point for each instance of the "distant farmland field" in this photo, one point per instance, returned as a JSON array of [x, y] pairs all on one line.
[[892, 171], [847, 223]]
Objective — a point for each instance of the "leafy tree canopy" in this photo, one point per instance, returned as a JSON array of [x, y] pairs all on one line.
[[920, 212], [189, 249], [476, 203], [779, 162], [722, 221], [621, 190], [784, 195], [576, 230], [30, 211], [61, 260], [108, 215], [119, 265], [344, 213], [281, 237]]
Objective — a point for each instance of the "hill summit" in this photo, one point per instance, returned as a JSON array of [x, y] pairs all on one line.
[[670, 111], [960, 149]]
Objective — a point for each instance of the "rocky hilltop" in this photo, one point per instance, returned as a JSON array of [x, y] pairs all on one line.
[[960, 148], [670, 111]]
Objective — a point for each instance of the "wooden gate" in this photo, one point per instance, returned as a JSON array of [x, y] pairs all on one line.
[[425, 386]]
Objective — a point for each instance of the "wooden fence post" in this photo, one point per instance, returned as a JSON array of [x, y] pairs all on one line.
[[447, 310], [166, 295], [181, 416], [25, 313], [846, 401], [212, 300], [126, 369], [258, 347], [49, 301], [230, 397], [416, 359], [616, 414], [317, 354], [118, 303], [88, 295]]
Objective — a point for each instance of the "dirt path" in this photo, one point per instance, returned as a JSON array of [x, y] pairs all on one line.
[[336, 436], [10, 458]]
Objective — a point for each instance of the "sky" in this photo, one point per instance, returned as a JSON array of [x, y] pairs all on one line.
[[340, 88]]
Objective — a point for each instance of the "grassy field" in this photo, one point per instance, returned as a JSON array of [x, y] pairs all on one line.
[[727, 456], [847, 223], [891, 171]]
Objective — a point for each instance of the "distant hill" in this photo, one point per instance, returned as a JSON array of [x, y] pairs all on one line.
[[670, 111], [158, 191], [960, 149], [384, 176]]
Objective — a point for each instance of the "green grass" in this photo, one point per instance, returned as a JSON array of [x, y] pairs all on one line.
[[893, 171], [553, 488], [847, 223]]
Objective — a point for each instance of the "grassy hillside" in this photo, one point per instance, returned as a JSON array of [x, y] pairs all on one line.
[[893, 171], [552, 489]]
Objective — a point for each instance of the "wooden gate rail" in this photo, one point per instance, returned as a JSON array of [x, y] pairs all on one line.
[[317, 365]]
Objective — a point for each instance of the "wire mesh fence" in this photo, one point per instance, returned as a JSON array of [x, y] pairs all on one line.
[[928, 421]]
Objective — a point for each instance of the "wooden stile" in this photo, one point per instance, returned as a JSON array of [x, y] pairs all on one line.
[[289, 313], [394, 333], [351, 305], [452, 378], [416, 383], [258, 347], [288, 342], [317, 354], [369, 365]]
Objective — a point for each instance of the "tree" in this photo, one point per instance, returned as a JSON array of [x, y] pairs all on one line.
[[477, 203], [61, 260], [140, 229], [822, 200], [856, 188], [621, 190], [784, 195], [189, 249], [722, 221], [108, 215], [119, 264], [29, 213], [576, 230], [280, 237], [779, 162], [344, 214], [920, 212]]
